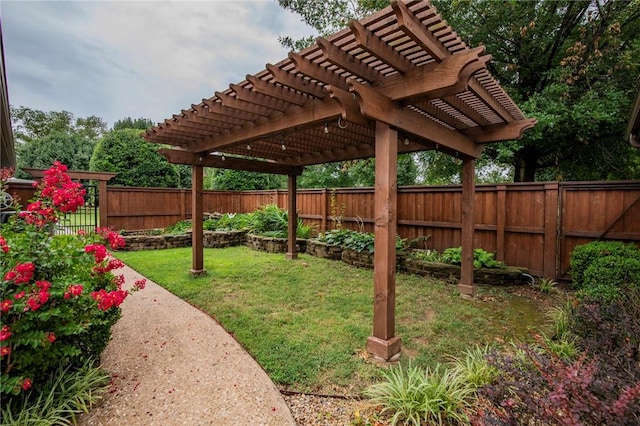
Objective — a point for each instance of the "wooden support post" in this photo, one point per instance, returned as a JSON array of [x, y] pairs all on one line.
[[501, 221], [293, 217], [384, 344], [196, 221], [465, 287]]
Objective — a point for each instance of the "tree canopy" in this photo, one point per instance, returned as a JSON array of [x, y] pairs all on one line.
[[44, 137], [136, 161], [573, 65], [238, 180]]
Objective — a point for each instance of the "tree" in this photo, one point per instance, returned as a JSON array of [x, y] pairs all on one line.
[[355, 173], [129, 123], [238, 180], [44, 137], [29, 124], [71, 149], [574, 65], [136, 161]]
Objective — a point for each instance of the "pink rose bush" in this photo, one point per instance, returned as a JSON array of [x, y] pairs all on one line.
[[59, 294]]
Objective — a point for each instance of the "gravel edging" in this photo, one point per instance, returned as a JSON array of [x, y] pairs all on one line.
[[313, 410]]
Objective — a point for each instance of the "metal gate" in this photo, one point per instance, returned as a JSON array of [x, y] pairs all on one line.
[[85, 218]]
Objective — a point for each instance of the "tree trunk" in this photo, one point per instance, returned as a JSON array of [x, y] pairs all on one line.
[[526, 164]]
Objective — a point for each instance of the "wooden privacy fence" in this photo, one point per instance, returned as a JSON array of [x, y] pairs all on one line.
[[535, 225]]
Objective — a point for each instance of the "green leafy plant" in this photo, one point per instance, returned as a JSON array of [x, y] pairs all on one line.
[[66, 393], [178, 227], [435, 396], [481, 258], [426, 255], [354, 240], [474, 367], [272, 221], [228, 222], [547, 285]]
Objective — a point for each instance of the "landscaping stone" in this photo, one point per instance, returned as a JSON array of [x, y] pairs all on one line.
[[321, 249], [273, 245], [451, 273]]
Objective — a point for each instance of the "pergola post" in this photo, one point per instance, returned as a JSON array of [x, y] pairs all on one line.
[[293, 218], [465, 287], [197, 180], [383, 343]]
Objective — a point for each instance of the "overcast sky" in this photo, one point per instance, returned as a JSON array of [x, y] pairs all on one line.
[[150, 59]]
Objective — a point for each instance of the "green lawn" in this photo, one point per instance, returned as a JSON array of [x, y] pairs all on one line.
[[306, 321]]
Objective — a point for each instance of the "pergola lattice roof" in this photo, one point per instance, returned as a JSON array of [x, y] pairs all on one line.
[[404, 66]]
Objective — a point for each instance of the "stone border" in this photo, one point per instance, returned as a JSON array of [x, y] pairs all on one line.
[[219, 239]]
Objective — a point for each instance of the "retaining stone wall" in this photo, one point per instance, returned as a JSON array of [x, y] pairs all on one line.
[[324, 250], [211, 239], [273, 245]]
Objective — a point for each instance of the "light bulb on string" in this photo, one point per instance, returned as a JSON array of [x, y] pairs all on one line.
[[248, 147], [326, 127]]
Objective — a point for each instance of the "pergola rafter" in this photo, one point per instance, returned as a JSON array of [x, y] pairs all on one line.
[[398, 81]]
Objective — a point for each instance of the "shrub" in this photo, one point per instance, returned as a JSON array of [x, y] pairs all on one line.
[[178, 227], [426, 255], [58, 297], [228, 222], [481, 258], [606, 277], [583, 255], [539, 387], [354, 240], [272, 221]]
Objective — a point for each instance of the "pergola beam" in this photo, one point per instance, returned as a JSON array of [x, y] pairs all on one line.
[[300, 84], [436, 79], [275, 91], [347, 62], [377, 47], [379, 107], [190, 158], [415, 30], [501, 132], [259, 99], [312, 114]]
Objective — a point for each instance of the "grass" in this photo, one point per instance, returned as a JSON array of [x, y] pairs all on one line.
[[306, 321]]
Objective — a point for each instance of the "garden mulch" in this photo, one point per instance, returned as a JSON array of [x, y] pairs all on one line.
[[172, 364]]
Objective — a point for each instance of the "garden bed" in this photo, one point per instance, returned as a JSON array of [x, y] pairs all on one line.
[[218, 239]]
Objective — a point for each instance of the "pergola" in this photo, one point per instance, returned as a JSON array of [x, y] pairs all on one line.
[[398, 81]]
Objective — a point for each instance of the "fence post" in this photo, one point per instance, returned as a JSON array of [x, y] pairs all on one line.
[[551, 218], [501, 218], [183, 204], [325, 209], [102, 203]]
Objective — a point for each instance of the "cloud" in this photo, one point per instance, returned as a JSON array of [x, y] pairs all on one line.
[[138, 59]]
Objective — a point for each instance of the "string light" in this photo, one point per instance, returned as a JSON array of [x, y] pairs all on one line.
[[326, 127], [406, 141], [223, 157], [248, 147], [284, 147]]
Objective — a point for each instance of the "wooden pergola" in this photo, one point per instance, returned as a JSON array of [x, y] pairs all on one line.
[[398, 81]]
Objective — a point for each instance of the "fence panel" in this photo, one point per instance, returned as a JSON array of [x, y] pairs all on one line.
[[597, 210], [534, 225]]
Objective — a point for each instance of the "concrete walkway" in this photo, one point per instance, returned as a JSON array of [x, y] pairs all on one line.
[[173, 365]]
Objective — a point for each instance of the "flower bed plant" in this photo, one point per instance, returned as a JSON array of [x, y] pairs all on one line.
[[58, 297]]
